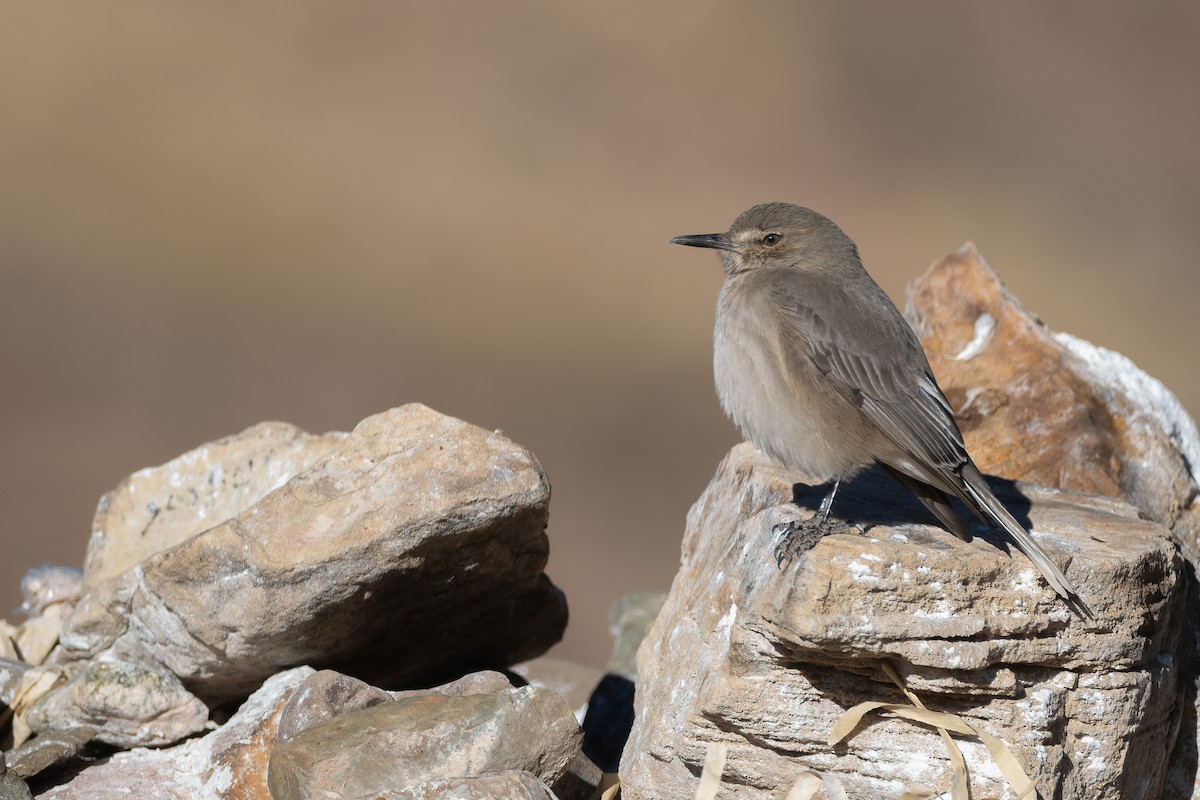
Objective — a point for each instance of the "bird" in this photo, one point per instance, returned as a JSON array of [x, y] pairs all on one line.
[[819, 370]]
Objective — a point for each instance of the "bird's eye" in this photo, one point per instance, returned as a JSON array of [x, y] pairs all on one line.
[[771, 239]]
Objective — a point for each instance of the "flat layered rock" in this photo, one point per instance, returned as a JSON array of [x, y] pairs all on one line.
[[765, 661]]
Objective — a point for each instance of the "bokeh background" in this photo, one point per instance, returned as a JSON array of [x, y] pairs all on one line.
[[213, 214]]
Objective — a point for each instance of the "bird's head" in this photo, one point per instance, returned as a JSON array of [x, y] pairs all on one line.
[[776, 235]]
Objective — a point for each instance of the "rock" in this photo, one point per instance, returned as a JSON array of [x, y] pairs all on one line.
[[508, 784], [52, 749], [125, 705], [766, 661], [1053, 409], [157, 508], [1183, 775], [570, 680], [229, 763], [435, 737], [483, 682], [412, 549], [11, 785], [1049, 408], [326, 694], [50, 584], [50, 593]]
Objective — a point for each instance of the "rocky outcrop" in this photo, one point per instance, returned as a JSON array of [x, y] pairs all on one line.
[[408, 550], [766, 662]]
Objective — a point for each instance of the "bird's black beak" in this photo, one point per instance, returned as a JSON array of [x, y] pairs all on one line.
[[717, 241]]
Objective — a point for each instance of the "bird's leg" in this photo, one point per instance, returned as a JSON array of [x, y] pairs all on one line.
[[827, 504], [793, 539]]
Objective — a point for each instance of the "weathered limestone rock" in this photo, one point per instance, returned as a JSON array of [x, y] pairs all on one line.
[[483, 682], [324, 695], [766, 661], [327, 694], [572, 681], [1049, 408], [50, 593], [126, 705], [157, 508], [1053, 409], [407, 550], [434, 737], [228, 764], [11, 785]]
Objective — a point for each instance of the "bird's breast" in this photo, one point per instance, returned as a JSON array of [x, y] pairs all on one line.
[[775, 394]]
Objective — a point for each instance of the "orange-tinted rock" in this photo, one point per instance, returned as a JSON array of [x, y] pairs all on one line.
[[1048, 408]]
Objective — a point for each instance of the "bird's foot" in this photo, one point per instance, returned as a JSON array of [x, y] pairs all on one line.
[[795, 538]]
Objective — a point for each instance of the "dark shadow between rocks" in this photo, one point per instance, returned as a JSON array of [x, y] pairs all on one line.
[[1185, 758], [875, 498], [608, 721]]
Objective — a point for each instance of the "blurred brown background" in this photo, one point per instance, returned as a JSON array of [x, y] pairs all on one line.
[[213, 214]]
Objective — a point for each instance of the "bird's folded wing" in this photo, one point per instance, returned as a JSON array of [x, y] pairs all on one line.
[[900, 396]]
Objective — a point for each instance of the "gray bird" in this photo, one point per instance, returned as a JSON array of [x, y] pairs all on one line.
[[818, 368]]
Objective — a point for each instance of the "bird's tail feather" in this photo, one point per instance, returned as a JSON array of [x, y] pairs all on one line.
[[991, 510], [933, 499]]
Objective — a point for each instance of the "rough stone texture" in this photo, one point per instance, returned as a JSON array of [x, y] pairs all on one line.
[[508, 784], [415, 740], [412, 551], [159, 507], [126, 705], [11, 785], [483, 682], [228, 764], [324, 695], [1053, 409], [572, 681], [49, 749], [327, 693], [1049, 408], [50, 584], [765, 661]]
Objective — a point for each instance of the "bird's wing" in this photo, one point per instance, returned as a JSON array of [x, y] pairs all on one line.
[[883, 371]]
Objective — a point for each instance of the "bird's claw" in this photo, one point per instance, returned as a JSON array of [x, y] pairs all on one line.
[[793, 539], [796, 537]]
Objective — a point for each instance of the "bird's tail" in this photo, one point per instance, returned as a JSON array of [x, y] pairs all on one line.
[[991, 510]]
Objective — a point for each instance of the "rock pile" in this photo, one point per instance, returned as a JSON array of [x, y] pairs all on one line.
[[765, 664], [404, 553]]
